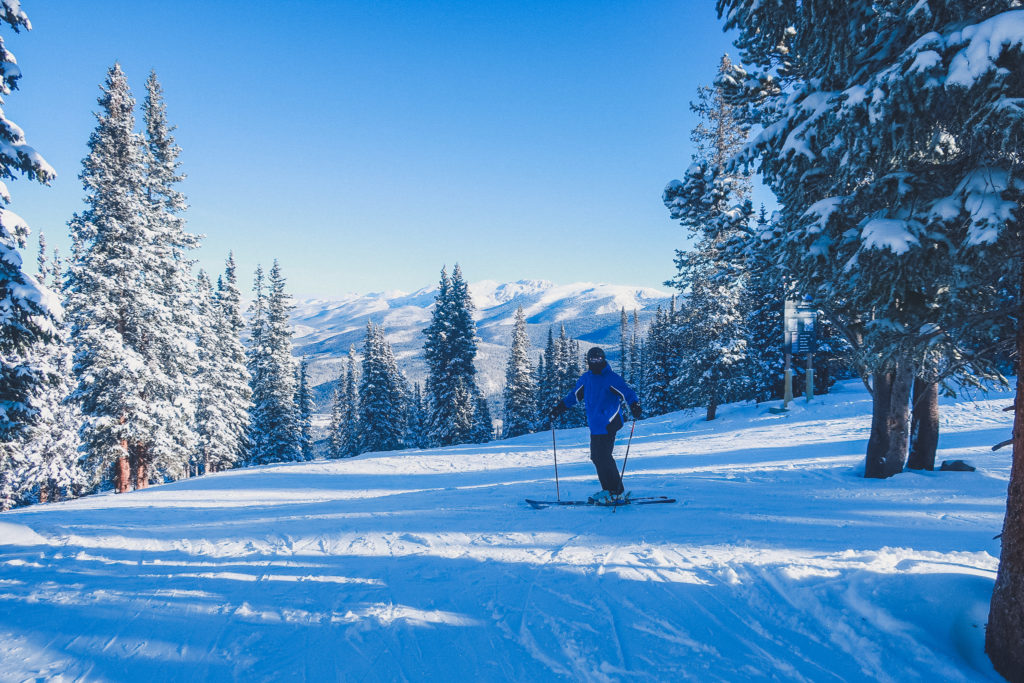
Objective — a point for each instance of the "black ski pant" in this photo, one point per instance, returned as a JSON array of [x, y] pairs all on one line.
[[601, 446]]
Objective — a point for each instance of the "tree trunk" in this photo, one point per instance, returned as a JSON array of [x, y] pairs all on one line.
[[1005, 631], [924, 425], [138, 466], [890, 422], [141, 478], [712, 405], [122, 473]]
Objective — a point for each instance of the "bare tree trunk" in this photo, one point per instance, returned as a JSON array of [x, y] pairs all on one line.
[[140, 458], [122, 474], [890, 422], [924, 425], [713, 401], [1004, 634]]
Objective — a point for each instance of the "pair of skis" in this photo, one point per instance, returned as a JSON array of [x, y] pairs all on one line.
[[641, 500]]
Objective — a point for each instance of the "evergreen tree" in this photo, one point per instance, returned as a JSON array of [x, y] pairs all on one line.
[[571, 369], [117, 314], [547, 368], [711, 203], [482, 430], [562, 367], [30, 312], [211, 428], [382, 395], [544, 400], [51, 444], [660, 370], [450, 350], [274, 424], [762, 308], [351, 432], [304, 411], [233, 371], [520, 395], [171, 282], [624, 368], [881, 231], [417, 436], [335, 443]]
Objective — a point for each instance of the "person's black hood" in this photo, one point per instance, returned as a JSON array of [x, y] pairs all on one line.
[[596, 362]]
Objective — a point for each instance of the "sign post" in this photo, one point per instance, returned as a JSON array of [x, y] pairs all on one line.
[[800, 322]]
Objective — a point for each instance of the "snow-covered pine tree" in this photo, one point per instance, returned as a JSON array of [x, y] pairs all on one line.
[[624, 368], [712, 204], [170, 279], [547, 383], [450, 351], [544, 400], [641, 383], [520, 394], [334, 429], [659, 367], [304, 411], [417, 425], [482, 430], [31, 313], [881, 229], [233, 371], [49, 446], [382, 395], [557, 359], [273, 432], [762, 306], [114, 307], [351, 430], [214, 446], [570, 369]]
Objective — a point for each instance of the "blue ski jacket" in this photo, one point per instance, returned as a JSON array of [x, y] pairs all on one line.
[[603, 394]]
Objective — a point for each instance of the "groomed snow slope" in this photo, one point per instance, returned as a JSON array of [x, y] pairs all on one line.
[[780, 562]]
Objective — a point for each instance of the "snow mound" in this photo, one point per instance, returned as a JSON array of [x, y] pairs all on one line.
[[19, 534]]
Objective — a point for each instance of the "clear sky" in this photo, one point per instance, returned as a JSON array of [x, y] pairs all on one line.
[[366, 144]]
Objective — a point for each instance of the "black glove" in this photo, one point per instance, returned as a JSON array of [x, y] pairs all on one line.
[[635, 409], [557, 410]]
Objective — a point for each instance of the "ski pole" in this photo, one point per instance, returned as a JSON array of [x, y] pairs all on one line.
[[554, 449], [625, 460]]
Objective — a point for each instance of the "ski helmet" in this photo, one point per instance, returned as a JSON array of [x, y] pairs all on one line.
[[595, 359]]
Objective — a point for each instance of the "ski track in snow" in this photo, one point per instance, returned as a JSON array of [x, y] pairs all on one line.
[[780, 562]]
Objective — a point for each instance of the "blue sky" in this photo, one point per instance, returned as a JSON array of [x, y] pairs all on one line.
[[366, 144]]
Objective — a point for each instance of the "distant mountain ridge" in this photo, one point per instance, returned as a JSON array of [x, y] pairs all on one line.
[[325, 328]]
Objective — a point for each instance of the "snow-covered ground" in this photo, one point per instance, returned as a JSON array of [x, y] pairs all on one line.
[[780, 562]]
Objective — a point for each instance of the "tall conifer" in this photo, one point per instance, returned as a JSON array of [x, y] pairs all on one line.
[[383, 395], [520, 394], [274, 434]]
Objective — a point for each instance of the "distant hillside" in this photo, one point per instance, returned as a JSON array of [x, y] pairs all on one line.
[[325, 328]]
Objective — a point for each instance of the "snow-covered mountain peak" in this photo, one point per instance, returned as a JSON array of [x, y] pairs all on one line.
[[326, 328]]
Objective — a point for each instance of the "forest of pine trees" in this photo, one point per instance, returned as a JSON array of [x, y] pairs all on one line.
[[129, 369]]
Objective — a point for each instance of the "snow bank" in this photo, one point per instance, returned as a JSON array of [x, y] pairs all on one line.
[[19, 534]]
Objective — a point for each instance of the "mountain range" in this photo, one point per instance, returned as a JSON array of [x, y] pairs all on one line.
[[326, 328]]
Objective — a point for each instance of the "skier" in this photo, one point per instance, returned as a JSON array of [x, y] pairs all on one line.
[[603, 391]]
